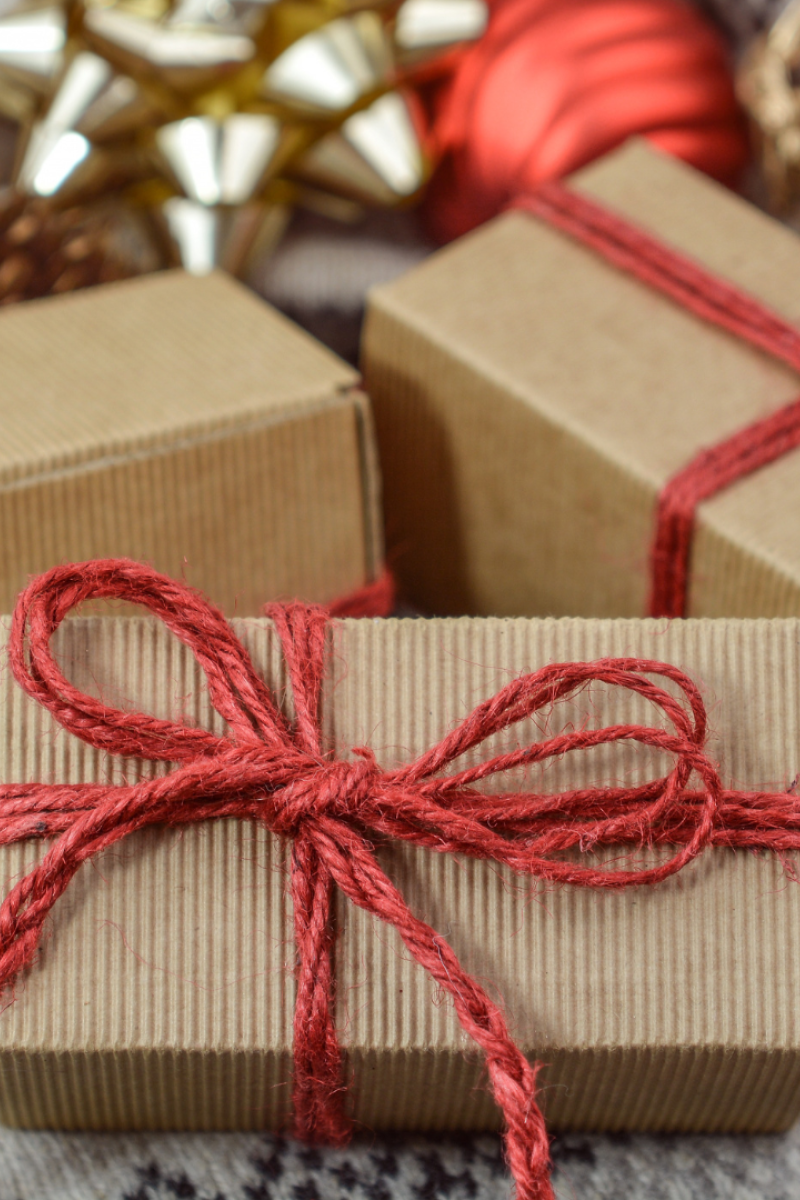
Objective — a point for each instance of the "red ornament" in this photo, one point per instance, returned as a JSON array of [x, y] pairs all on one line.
[[553, 85]]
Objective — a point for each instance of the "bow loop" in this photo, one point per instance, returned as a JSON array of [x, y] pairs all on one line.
[[529, 694], [237, 693]]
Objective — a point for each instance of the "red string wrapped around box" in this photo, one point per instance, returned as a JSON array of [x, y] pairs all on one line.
[[264, 769], [717, 467]]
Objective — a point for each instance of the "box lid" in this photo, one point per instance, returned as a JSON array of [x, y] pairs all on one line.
[[148, 363]]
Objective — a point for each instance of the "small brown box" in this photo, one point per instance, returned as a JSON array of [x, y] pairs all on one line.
[[184, 422], [531, 401], [163, 994]]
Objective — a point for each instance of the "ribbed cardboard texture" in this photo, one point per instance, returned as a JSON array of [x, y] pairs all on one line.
[[183, 422], [531, 401], [162, 997]]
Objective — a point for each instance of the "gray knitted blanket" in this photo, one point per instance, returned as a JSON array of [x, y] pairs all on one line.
[[51, 1166]]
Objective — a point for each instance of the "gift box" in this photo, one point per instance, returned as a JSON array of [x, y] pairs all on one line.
[[184, 422], [163, 992], [532, 401]]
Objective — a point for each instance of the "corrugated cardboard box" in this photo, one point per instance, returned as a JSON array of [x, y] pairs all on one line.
[[163, 994], [183, 422], [531, 401]]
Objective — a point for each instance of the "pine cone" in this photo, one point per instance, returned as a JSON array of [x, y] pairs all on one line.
[[45, 252]]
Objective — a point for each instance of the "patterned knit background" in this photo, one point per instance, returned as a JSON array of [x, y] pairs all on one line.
[[34, 1166]]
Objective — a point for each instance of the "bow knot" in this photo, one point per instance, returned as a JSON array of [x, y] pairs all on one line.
[[334, 790]]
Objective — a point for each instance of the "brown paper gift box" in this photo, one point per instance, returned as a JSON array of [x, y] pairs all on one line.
[[531, 401], [162, 997], [183, 422]]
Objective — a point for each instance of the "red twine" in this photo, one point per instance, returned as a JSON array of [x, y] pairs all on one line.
[[375, 599], [719, 303], [266, 770]]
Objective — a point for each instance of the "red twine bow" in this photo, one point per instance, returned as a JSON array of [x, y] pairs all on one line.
[[266, 770]]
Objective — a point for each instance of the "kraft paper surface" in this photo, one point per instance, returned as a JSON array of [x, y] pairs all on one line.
[[183, 422]]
